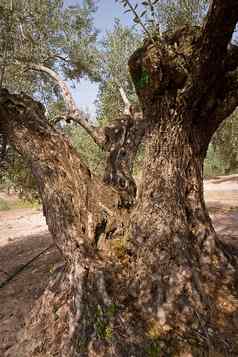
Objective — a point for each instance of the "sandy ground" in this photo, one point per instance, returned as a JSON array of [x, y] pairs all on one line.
[[24, 234], [222, 191], [20, 223]]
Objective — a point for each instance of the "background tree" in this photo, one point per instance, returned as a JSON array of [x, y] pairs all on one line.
[[143, 275], [91, 153], [58, 37], [42, 38], [114, 70], [223, 155], [172, 14], [114, 75]]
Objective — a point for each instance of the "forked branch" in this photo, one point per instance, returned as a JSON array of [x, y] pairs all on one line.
[[73, 113]]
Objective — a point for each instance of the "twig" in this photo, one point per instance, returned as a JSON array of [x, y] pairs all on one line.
[[19, 270], [73, 113], [138, 18], [126, 101]]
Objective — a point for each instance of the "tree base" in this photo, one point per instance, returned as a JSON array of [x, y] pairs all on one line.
[[114, 309]]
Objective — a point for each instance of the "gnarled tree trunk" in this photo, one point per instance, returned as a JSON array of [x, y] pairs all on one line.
[[143, 276]]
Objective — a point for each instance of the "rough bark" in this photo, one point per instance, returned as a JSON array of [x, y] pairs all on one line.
[[145, 277], [120, 139], [79, 211]]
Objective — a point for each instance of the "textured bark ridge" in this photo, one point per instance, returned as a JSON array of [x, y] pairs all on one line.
[[122, 140], [145, 276]]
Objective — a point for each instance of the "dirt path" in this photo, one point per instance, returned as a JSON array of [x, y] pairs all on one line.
[[24, 234], [222, 191], [20, 223]]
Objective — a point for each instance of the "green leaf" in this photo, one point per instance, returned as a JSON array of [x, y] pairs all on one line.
[[143, 13]]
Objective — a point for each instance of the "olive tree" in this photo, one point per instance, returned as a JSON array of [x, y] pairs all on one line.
[[145, 274]]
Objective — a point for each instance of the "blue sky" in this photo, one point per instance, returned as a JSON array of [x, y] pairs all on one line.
[[85, 92]]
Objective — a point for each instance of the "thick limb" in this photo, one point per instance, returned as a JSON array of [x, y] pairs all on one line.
[[119, 139], [172, 237], [61, 175], [213, 56]]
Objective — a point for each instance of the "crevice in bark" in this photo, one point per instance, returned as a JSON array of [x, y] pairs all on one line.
[[100, 229], [122, 140]]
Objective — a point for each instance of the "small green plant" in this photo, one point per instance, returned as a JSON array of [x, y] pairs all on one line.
[[153, 350], [112, 310], [102, 324], [103, 330], [4, 206], [144, 79], [18, 203], [108, 333], [81, 344], [26, 204]]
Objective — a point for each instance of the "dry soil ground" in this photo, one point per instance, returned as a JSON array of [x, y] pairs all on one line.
[[23, 235]]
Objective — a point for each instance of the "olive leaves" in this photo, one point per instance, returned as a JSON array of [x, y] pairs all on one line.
[[144, 14]]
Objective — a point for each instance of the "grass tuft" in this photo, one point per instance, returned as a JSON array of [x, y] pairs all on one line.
[[4, 206]]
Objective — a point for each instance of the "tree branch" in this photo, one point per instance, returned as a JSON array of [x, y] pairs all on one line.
[[126, 101], [70, 192], [217, 32], [231, 60], [120, 139], [24, 266], [209, 70], [137, 17], [229, 101], [223, 107], [74, 113]]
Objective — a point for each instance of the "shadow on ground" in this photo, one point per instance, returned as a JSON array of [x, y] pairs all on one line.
[[18, 295]]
